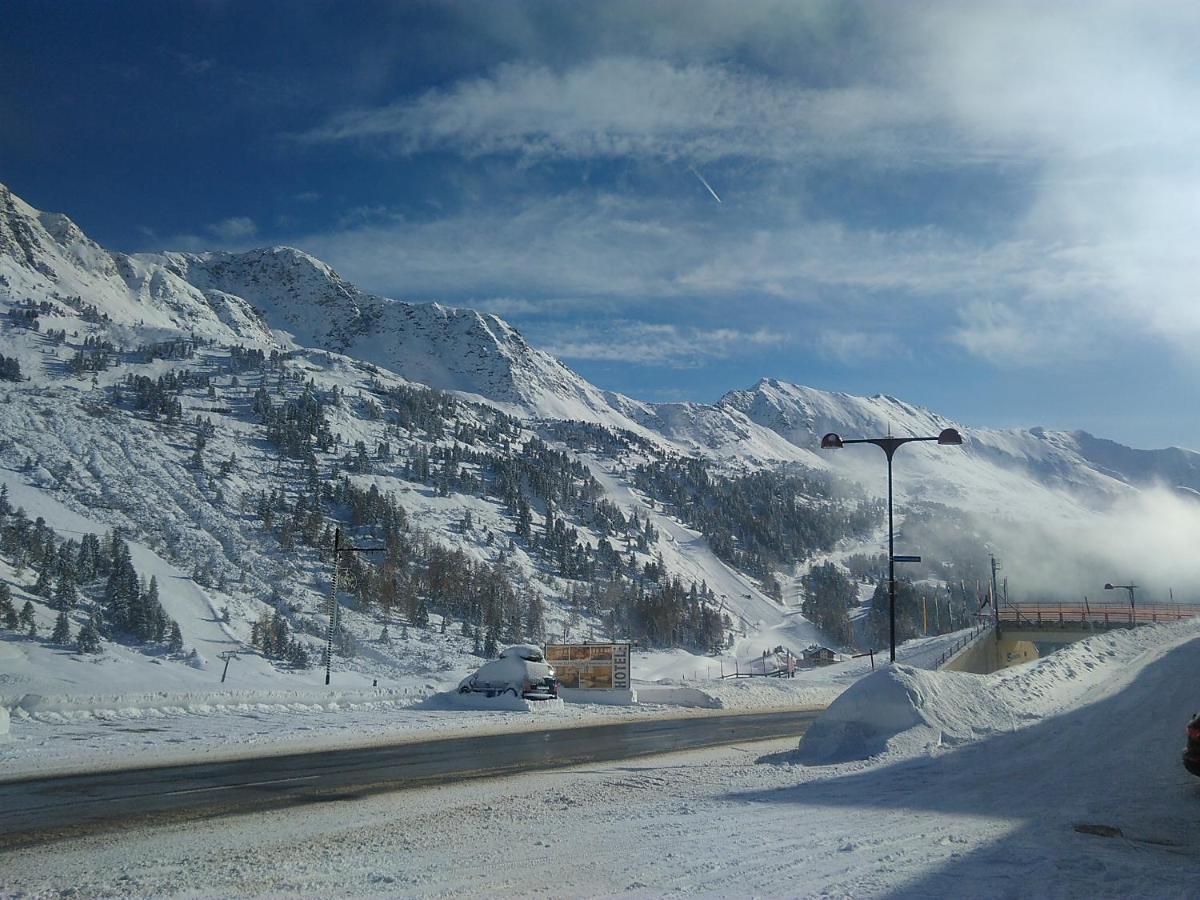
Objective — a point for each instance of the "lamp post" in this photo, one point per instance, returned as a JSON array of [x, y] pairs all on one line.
[[889, 445], [1125, 587]]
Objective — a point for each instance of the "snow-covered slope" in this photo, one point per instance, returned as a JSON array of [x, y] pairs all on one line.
[[78, 437], [281, 296], [1000, 463]]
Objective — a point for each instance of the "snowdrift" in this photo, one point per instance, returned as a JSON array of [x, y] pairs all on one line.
[[899, 702], [903, 711], [448, 700], [157, 704]]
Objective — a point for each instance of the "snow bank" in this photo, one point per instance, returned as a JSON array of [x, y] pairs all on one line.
[[923, 707], [450, 700], [742, 694], [602, 697], [901, 710], [72, 708]]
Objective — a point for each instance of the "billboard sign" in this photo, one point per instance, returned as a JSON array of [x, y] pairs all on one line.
[[590, 666]]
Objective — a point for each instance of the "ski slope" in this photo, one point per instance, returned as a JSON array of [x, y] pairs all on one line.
[[761, 623], [51, 671]]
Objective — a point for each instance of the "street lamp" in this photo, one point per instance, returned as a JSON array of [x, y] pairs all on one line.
[[889, 445], [1125, 587]]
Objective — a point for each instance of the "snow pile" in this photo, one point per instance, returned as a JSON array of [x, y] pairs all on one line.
[[159, 704], [598, 697], [772, 693], [449, 700], [903, 711], [899, 701]]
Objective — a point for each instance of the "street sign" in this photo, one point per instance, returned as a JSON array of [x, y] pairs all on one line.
[[906, 559]]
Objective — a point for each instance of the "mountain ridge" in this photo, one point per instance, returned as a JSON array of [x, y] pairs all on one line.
[[284, 297]]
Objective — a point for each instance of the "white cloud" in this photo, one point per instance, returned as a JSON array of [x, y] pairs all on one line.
[[854, 347], [1103, 98], [641, 108], [655, 344], [236, 228], [1085, 112], [619, 249]]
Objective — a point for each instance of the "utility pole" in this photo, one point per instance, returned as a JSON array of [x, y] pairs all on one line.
[[226, 655], [338, 550], [995, 596]]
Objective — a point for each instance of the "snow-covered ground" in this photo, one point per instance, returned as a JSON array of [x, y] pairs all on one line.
[[57, 735], [69, 732], [980, 788]]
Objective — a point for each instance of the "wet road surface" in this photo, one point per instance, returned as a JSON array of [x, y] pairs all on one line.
[[39, 809]]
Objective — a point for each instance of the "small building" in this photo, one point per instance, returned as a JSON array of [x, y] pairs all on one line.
[[819, 656]]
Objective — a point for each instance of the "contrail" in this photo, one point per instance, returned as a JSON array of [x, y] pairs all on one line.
[[692, 169]]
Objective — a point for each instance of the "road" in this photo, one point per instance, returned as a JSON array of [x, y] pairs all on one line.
[[35, 810]]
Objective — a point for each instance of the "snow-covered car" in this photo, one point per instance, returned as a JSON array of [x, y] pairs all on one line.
[[521, 671], [1191, 753]]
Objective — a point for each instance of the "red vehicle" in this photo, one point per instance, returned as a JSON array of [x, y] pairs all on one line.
[[1191, 753]]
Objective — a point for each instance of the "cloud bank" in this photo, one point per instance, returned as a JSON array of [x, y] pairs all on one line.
[[1015, 181]]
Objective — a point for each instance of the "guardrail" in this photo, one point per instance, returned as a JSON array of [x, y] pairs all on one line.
[[980, 628], [1062, 615]]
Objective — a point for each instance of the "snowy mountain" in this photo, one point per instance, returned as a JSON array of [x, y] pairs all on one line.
[[1074, 461], [284, 297], [225, 410]]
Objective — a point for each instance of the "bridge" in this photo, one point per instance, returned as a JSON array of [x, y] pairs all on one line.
[[1023, 632], [1063, 623]]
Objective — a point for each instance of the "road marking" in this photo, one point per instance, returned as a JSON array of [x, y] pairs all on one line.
[[242, 784]]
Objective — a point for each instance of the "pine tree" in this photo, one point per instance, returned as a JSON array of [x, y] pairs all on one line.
[[11, 622], [175, 641], [535, 618], [87, 562], [26, 619], [149, 613], [65, 597], [44, 582], [122, 591], [298, 655], [62, 629], [160, 624], [88, 640]]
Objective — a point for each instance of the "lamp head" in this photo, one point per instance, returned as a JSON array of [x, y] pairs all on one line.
[[1109, 587], [949, 436], [831, 441]]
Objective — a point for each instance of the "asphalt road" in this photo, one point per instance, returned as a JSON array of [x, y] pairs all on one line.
[[40, 809]]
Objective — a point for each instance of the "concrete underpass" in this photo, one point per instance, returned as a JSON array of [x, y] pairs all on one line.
[[1022, 634]]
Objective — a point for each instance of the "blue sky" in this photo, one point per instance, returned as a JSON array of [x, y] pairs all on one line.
[[990, 210]]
